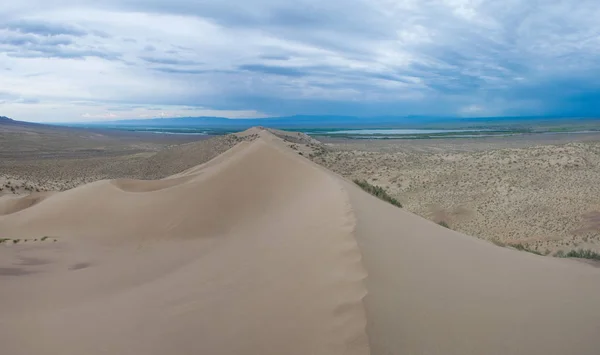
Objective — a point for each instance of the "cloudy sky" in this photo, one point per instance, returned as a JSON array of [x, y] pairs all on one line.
[[66, 60]]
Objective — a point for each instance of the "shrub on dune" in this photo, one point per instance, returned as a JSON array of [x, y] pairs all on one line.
[[444, 224], [377, 191], [581, 253]]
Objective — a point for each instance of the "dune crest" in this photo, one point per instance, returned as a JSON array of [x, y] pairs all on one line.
[[250, 254], [260, 251], [10, 204], [130, 185]]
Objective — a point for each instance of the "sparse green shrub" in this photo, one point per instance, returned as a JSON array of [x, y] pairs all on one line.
[[581, 253], [4, 240], [15, 241], [522, 247], [498, 242], [377, 191], [44, 238], [444, 224]]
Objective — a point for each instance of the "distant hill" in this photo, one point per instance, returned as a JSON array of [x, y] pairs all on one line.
[[9, 121], [9, 124], [6, 120]]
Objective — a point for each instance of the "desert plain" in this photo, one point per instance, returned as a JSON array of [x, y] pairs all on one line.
[[540, 191]]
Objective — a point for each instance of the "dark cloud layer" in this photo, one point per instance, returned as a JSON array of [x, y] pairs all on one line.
[[273, 70], [43, 28]]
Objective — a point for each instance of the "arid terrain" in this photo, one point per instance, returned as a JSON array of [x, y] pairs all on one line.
[[46, 158], [241, 245], [538, 191], [542, 192]]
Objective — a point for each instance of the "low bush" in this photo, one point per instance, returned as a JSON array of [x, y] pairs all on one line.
[[498, 242], [377, 191], [581, 253], [444, 224], [522, 247], [517, 246]]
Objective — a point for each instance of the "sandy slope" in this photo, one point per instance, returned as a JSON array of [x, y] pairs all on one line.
[[13, 203], [260, 251], [435, 291]]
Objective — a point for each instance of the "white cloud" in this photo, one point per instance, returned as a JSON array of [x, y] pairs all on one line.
[[268, 57]]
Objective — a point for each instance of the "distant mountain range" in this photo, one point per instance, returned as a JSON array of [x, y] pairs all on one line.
[[276, 122], [327, 122], [330, 122]]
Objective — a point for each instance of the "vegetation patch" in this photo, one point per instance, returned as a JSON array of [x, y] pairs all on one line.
[[522, 247], [16, 241], [498, 242], [580, 253], [444, 224], [377, 191], [517, 246]]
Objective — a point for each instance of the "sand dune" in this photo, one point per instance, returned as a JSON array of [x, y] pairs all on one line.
[[260, 251], [11, 204]]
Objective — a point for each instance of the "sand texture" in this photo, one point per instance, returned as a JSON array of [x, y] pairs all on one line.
[[261, 251]]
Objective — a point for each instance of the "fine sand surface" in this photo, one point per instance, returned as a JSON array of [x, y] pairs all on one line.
[[261, 251]]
